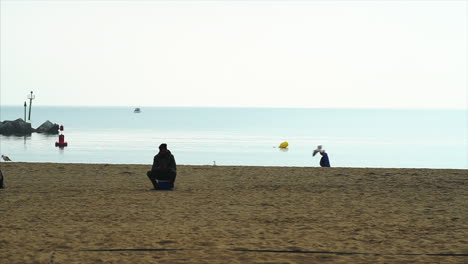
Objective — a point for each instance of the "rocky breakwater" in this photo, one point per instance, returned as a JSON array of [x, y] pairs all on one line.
[[19, 127]]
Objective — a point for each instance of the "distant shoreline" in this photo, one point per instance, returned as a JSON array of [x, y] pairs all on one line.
[[228, 166]]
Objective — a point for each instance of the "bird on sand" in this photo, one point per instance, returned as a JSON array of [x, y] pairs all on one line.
[[6, 158]]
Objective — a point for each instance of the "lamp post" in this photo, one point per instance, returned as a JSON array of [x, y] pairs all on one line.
[[25, 111], [30, 97]]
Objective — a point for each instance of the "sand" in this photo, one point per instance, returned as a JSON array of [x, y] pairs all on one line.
[[99, 213]]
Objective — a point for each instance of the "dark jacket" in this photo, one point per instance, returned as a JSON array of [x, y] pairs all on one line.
[[164, 163], [324, 161]]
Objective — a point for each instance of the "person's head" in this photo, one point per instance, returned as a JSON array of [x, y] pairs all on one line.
[[163, 148], [322, 152]]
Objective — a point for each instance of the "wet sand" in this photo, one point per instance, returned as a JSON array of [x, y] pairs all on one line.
[[99, 213]]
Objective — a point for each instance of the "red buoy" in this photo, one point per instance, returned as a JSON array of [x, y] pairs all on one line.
[[61, 142]]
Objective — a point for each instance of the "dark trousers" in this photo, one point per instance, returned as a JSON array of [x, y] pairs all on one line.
[[1, 180], [156, 176]]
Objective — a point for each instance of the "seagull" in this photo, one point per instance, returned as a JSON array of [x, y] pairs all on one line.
[[6, 158], [319, 149]]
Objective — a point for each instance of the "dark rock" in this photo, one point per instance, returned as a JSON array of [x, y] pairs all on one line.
[[19, 127], [48, 128]]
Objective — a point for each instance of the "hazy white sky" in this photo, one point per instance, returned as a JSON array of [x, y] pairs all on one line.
[[386, 54]]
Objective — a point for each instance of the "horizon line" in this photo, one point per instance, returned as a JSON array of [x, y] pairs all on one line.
[[263, 107]]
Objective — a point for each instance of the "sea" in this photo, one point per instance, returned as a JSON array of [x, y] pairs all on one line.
[[378, 138]]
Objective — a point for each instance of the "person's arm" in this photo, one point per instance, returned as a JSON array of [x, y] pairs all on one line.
[[173, 163], [155, 164]]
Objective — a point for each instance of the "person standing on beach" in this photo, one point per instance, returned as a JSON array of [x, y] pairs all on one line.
[[324, 161], [164, 167]]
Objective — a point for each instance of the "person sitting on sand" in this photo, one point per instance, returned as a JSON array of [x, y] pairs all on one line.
[[164, 167]]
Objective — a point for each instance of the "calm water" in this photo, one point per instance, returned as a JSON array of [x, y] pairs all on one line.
[[246, 136]]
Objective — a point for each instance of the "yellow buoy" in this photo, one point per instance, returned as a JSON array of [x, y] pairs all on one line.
[[284, 145]]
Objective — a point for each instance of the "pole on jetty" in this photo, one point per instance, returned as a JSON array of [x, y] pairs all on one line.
[[30, 97], [25, 111]]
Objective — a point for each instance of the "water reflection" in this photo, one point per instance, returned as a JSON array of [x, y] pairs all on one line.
[[61, 150]]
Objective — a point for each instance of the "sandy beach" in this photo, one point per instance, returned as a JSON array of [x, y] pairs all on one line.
[[100, 213]]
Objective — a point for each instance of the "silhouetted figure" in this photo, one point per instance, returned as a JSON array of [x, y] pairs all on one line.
[[324, 161], [1, 180], [164, 167]]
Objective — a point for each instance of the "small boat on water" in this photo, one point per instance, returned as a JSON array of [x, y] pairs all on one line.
[[137, 110]]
